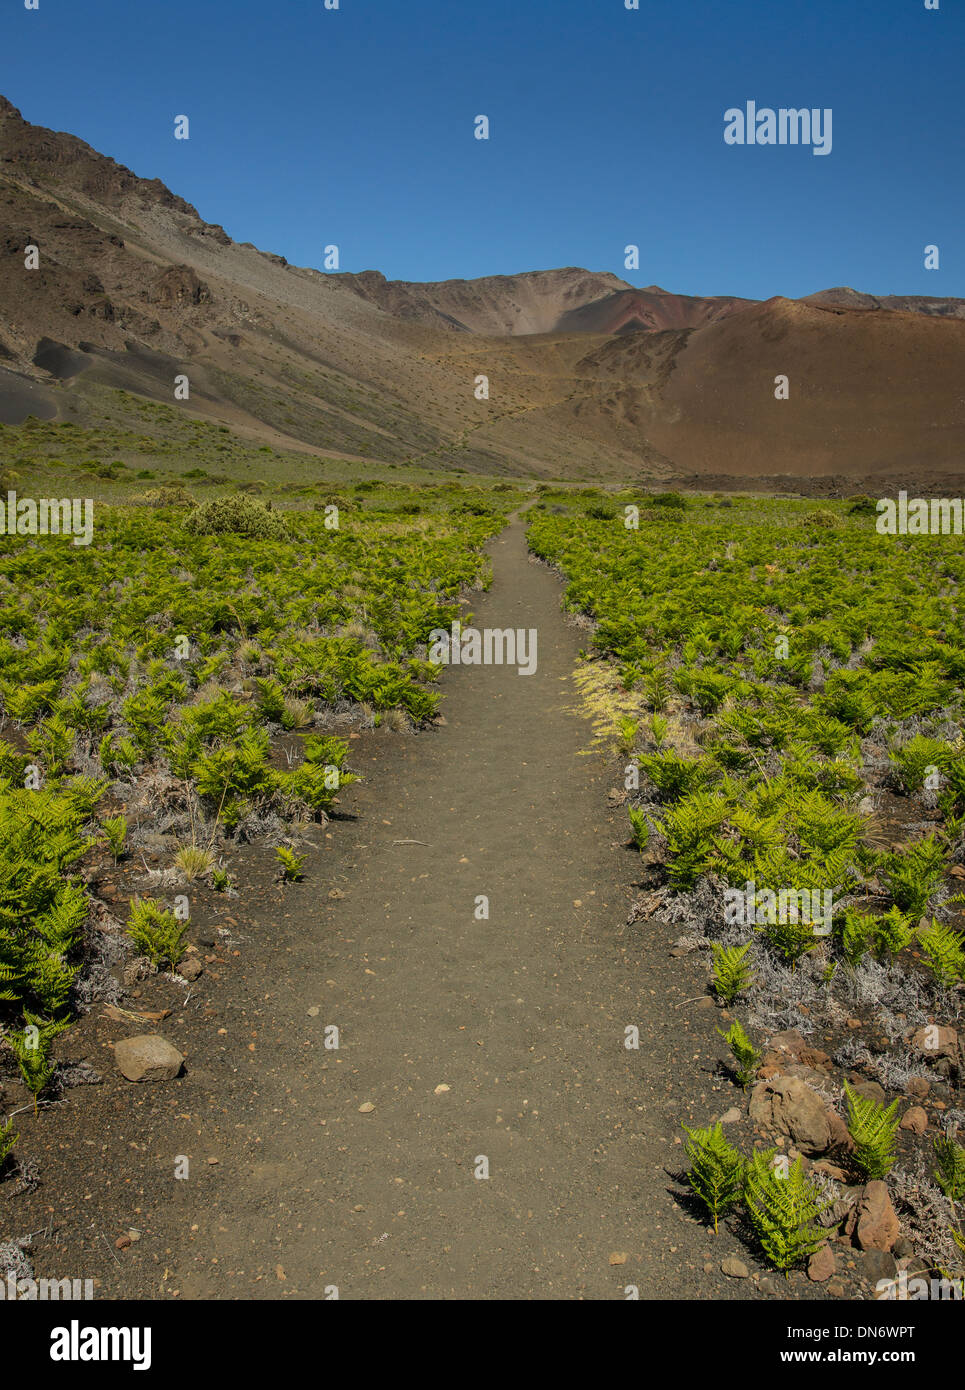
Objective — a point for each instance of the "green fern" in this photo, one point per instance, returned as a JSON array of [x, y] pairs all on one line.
[[291, 864], [220, 880], [716, 1173], [893, 932], [42, 912], [658, 728], [7, 1141], [657, 691], [114, 830], [731, 973], [912, 874], [943, 949], [910, 764], [639, 827], [885, 936], [873, 1129], [745, 1054], [689, 828], [52, 741], [950, 1174], [31, 1047], [783, 1207], [156, 933], [674, 776], [271, 700], [83, 794], [857, 934], [792, 939], [627, 728]]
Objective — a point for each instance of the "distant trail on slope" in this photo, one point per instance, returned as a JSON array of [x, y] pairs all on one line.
[[521, 1016]]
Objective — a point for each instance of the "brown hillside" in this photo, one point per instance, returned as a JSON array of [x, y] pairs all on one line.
[[590, 378]]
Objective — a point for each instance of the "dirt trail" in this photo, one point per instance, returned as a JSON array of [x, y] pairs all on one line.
[[521, 1016]]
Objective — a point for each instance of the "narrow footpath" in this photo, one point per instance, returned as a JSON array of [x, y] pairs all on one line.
[[499, 1039]]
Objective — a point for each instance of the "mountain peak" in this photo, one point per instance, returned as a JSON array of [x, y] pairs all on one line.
[[530, 301]]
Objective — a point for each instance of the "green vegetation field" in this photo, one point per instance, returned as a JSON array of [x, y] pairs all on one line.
[[787, 691], [783, 686], [114, 444], [156, 668]]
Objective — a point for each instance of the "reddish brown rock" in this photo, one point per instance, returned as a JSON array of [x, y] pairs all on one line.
[[815, 1079], [877, 1224], [780, 1052], [871, 1090], [935, 1041], [840, 1135], [830, 1170], [148, 1057], [822, 1265], [789, 1106], [914, 1120]]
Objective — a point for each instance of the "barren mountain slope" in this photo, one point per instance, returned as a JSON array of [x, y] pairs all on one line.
[[497, 305], [631, 310], [848, 298], [871, 396], [588, 377]]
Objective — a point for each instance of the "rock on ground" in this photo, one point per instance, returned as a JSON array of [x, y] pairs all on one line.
[[787, 1104], [877, 1224], [822, 1265], [914, 1119], [935, 1041], [148, 1057]]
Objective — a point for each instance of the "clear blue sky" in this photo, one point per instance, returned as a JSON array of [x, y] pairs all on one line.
[[355, 127]]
